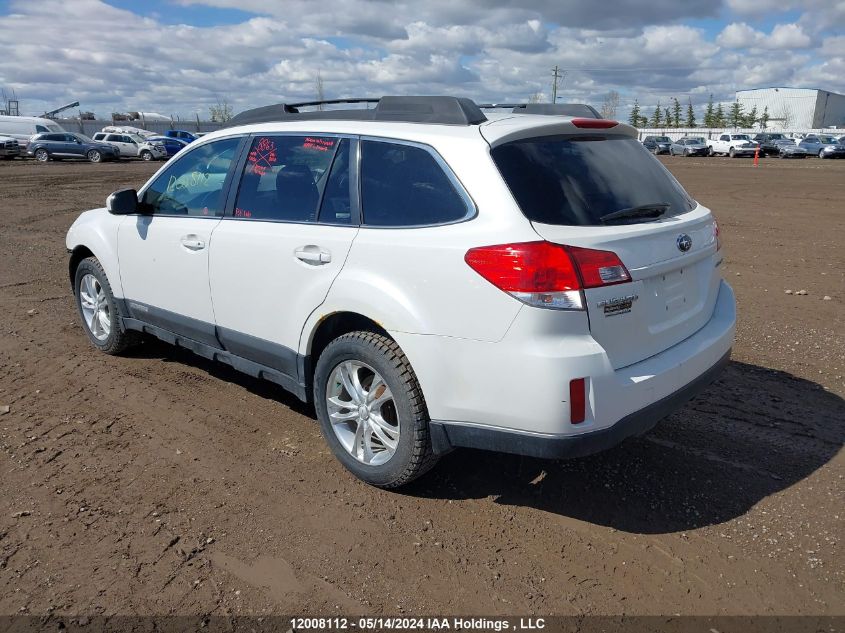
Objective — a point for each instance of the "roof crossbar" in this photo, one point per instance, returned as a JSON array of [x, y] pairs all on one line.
[[437, 110]]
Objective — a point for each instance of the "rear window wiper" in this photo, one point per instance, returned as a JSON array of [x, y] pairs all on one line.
[[653, 210]]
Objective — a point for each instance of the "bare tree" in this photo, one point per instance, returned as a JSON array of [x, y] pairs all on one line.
[[608, 107], [222, 111], [318, 85], [536, 97]]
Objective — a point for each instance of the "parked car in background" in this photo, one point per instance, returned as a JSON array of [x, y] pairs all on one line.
[[128, 129], [550, 244], [787, 149], [171, 145], [823, 146], [23, 128], [732, 145], [133, 146], [688, 147], [9, 148], [44, 147], [182, 135], [766, 141], [657, 144]]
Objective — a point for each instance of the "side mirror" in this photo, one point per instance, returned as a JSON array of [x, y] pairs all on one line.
[[123, 202]]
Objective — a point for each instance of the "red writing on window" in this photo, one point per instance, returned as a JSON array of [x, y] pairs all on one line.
[[320, 144], [242, 213], [262, 156]]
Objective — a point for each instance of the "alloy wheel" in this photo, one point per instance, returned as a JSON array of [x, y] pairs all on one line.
[[362, 412], [95, 307]]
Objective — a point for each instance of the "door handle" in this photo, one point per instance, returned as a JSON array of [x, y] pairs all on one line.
[[312, 255], [192, 242]]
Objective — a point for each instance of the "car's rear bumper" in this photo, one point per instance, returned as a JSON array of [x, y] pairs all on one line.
[[512, 396], [445, 436]]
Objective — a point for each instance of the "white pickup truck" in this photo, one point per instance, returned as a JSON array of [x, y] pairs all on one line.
[[732, 145]]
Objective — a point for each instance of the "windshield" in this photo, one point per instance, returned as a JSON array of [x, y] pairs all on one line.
[[662, 139], [576, 180], [777, 137], [740, 137]]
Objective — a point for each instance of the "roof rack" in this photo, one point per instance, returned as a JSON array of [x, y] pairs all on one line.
[[438, 110], [551, 109]]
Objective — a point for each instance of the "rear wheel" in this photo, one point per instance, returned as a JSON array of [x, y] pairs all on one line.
[[94, 156], [42, 155], [371, 410], [101, 317]]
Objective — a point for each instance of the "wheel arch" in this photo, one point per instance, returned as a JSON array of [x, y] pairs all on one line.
[[325, 330], [94, 234]]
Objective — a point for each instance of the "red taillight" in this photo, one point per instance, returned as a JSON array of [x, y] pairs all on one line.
[[596, 124], [525, 267], [545, 274], [599, 268], [577, 400]]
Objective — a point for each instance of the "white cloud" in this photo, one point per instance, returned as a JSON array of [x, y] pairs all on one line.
[[494, 50]]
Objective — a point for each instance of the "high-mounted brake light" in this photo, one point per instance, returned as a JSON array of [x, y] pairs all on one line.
[[597, 124], [547, 275]]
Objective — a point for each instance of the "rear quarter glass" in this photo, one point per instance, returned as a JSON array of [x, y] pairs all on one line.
[[574, 180]]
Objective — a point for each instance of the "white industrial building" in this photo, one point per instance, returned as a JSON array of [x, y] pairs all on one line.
[[796, 108]]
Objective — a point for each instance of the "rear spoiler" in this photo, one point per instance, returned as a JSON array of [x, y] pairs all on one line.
[[549, 109]]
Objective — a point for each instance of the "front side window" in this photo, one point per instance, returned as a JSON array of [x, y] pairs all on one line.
[[193, 185], [404, 185], [284, 177]]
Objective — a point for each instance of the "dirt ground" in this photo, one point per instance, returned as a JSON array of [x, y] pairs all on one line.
[[160, 483]]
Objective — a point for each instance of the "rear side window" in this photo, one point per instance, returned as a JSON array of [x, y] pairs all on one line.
[[284, 177], [404, 185], [41, 129], [576, 180]]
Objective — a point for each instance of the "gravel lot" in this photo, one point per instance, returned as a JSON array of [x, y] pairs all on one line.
[[160, 483]]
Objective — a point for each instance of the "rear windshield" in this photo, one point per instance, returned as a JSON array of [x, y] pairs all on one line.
[[576, 180]]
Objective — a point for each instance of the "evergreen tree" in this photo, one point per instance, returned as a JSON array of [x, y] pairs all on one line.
[[719, 117], [676, 112], [735, 117], [751, 118], [709, 114], [667, 117], [690, 114], [655, 118], [764, 118], [634, 117]]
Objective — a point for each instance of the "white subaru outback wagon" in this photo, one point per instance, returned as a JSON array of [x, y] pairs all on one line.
[[428, 276]]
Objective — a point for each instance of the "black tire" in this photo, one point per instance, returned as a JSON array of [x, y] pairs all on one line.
[[42, 155], [94, 156], [731, 153], [413, 456], [146, 155], [710, 151], [686, 153], [821, 153], [118, 339]]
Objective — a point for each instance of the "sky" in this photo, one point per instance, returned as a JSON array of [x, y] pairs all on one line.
[[179, 57]]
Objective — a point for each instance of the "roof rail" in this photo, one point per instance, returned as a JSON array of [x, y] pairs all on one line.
[[552, 109], [438, 110]]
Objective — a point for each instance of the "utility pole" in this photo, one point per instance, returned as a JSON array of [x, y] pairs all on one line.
[[556, 76]]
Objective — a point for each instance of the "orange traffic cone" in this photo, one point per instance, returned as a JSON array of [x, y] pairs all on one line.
[[757, 156]]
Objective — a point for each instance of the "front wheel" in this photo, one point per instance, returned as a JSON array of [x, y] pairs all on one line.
[[732, 153], [100, 313], [371, 410], [42, 155], [821, 153], [94, 156], [686, 153], [147, 155]]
